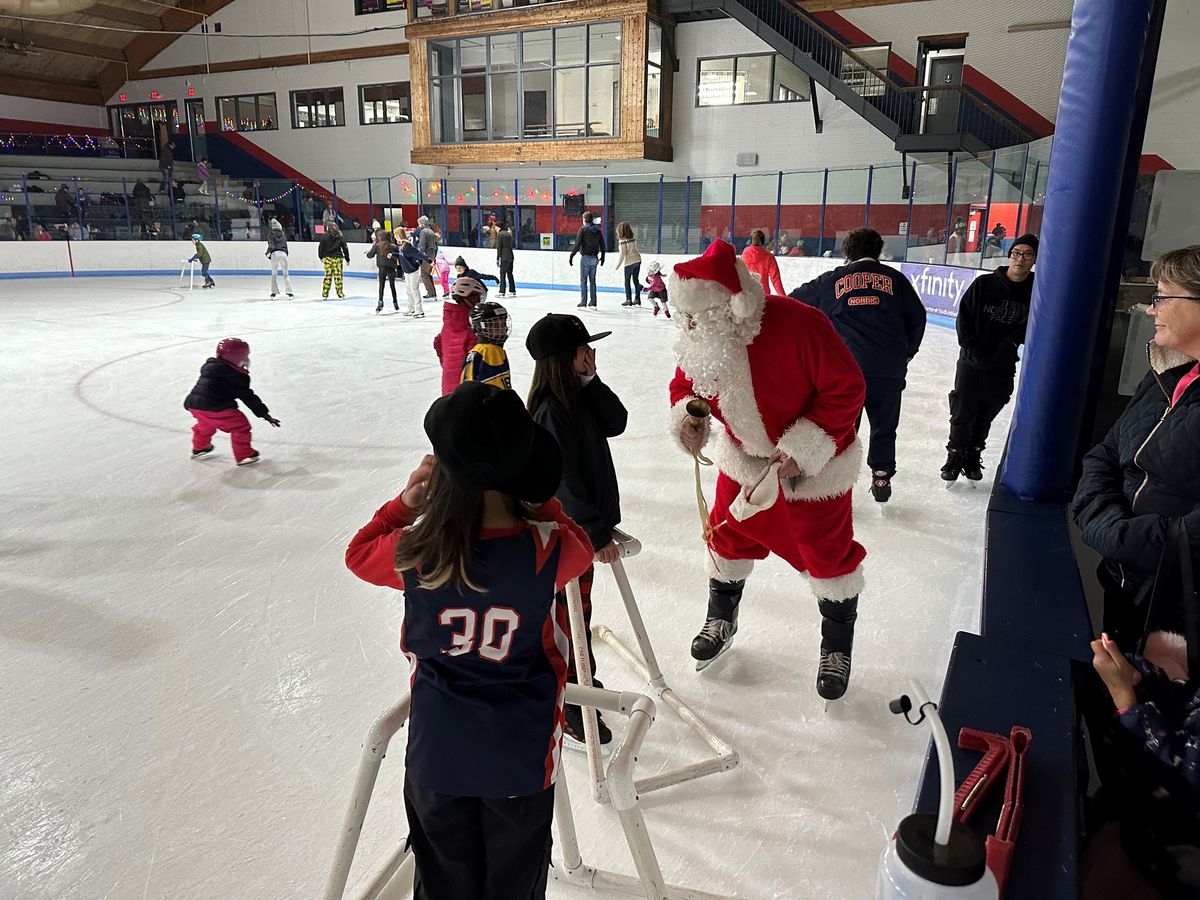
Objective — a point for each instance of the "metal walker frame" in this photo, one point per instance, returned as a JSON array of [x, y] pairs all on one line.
[[646, 665], [616, 787]]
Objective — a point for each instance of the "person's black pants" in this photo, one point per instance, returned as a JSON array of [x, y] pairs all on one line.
[[478, 848], [389, 278], [977, 398], [506, 272], [882, 407], [633, 285]]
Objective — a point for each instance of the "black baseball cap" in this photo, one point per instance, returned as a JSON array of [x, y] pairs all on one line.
[[556, 332], [485, 439]]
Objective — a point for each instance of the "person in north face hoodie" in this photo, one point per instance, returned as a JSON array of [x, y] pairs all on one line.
[[992, 318]]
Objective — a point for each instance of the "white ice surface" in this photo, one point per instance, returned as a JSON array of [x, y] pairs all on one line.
[[188, 669]]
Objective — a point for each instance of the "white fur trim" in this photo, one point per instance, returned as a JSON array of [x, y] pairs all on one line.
[[695, 295], [841, 588], [1162, 359], [739, 408], [837, 478], [809, 445], [729, 570], [678, 414]]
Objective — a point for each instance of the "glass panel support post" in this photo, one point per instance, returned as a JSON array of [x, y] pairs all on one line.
[[824, 199], [778, 210], [658, 242]]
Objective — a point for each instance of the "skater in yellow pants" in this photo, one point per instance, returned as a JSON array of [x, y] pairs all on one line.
[[334, 254]]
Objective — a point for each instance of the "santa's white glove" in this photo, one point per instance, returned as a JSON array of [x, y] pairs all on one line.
[[759, 496]]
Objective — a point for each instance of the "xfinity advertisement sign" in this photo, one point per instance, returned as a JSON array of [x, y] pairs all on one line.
[[940, 288]]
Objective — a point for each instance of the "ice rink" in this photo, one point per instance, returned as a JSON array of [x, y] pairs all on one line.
[[188, 668]]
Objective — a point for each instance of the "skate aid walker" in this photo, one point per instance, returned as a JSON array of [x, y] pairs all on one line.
[[934, 857], [618, 783], [192, 278]]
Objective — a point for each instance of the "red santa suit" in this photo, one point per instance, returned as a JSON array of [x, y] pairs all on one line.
[[777, 377]]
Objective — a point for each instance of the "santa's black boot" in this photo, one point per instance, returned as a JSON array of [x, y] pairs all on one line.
[[953, 466], [972, 465], [720, 625], [837, 641]]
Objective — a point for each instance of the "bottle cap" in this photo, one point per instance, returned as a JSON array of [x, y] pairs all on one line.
[[961, 862]]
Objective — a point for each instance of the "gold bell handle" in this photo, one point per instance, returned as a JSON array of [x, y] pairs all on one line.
[[699, 412]]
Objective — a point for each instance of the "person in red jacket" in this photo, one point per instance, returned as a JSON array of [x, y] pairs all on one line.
[[455, 340], [786, 392], [479, 548], [760, 261]]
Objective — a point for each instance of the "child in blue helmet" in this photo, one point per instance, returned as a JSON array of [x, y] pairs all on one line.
[[202, 254]]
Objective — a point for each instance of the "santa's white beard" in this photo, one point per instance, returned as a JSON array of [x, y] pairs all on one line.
[[705, 351]]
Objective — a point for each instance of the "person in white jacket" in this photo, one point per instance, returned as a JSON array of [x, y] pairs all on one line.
[[277, 253], [631, 259]]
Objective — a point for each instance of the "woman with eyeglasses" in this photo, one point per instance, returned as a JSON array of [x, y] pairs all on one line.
[[991, 326], [1146, 471]]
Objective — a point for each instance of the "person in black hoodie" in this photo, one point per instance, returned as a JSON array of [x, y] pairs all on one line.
[[570, 401], [387, 259], [589, 244], [878, 314], [991, 326], [504, 259], [224, 380], [334, 254]]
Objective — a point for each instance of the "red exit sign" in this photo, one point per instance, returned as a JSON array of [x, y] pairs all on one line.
[[155, 95], [191, 92]]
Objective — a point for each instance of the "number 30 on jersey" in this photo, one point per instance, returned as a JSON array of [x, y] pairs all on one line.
[[494, 635]]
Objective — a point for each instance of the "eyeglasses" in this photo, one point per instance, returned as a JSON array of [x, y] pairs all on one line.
[[1158, 299], [1017, 254]]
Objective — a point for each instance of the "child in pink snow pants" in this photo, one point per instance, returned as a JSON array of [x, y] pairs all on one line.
[[224, 380]]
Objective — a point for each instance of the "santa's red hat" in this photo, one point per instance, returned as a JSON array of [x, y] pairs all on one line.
[[721, 266]]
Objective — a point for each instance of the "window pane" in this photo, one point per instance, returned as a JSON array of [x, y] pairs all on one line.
[[504, 106], [472, 55], [432, 9], [654, 44], [753, 79], [504, 52], [570, 45], [443, 106], [715, 86], [474, 108], [605, 42], [653, 101], [226, 113], [372, 92], [535, 104], [790, 82], [267, 117], [604, 100], [568, 103], [442, 58], [535, 49]]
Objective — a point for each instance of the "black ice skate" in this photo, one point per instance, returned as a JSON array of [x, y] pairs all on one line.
[[881, 486], [953, 466], [972, 465], [196, 454], [249, 460], [573, 736], [837, 642], [720, 625]]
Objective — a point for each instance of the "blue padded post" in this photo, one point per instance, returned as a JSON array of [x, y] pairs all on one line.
[[1096, 115]]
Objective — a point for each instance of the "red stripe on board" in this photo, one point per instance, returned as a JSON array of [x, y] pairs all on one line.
[[1152, 163], [24, 126]]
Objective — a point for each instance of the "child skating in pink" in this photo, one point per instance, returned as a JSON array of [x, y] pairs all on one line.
[[224, 380], [657, 289]]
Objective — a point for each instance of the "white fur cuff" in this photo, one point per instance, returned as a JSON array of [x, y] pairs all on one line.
[[678, 415], [729, 570], [841, 588], [809, 445]]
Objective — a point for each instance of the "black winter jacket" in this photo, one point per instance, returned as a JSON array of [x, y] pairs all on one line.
[[332, 246], [410, 259], [1145, 472], [504, 248], [991, 320], [876, 311], [588, 491], [387, 260], [276, 240], [589, 242], [220, 386]]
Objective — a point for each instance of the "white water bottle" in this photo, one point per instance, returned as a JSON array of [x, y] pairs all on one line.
[[933, 857]]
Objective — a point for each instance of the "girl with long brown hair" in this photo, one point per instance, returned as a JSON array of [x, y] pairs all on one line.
[[582, 413], [485, 634]]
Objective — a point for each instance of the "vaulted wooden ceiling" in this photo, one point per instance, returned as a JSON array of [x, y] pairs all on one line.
[[86, 65]]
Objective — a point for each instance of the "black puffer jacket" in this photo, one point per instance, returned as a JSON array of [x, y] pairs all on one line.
[[1145, 472], [588, 491], [220, 386], [332, 246]]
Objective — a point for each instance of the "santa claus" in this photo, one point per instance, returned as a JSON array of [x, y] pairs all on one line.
[[785, 393]]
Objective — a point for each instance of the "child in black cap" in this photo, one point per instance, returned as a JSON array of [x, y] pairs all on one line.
[[480, 549], [582, 413]]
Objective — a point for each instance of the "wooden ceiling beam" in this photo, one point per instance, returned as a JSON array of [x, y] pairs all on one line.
[[63, 45], [22, 84], [123, 16]]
